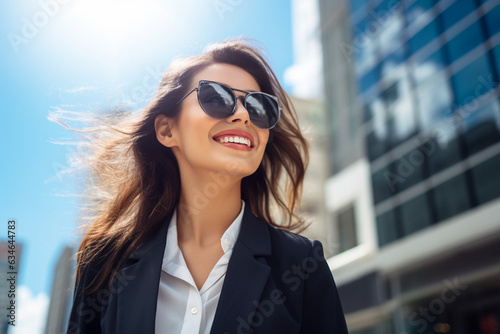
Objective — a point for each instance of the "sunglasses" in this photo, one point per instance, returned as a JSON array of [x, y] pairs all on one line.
[[219, 101]]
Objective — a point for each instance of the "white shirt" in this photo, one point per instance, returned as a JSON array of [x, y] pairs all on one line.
[[181, 308]]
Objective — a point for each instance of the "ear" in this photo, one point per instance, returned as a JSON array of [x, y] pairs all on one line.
[[163, 129]]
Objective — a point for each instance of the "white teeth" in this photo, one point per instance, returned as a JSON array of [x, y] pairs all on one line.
[[239, 140]]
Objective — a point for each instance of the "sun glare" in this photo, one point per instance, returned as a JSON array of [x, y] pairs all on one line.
[[114, 27], [114, 41]]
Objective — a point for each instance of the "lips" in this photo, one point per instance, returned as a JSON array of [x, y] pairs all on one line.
[[237, 137]]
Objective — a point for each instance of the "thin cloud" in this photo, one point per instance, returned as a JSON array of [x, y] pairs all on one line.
[[81, 89], [31, 315]]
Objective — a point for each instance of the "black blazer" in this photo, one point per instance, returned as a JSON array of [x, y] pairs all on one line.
[[276, 282]]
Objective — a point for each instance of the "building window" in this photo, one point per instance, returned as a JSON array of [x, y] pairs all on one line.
[[346, 224], [384, 184], [415, 214], [408, 170], [369, 78], [387, 228], [443, 148], [481, 128], [429, 67], [376, 141], [486, 180], [456, 12], [496, 56], [424, 36], [466, 82], [492, 21], [416, 10], [365, 51], [465, 41], [401, 123], [451, 197], [435, 101]]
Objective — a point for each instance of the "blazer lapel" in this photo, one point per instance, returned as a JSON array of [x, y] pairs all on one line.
[[246, 276], [137, 300]]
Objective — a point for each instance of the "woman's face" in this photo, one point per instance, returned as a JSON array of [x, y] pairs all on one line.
[[196, 137]]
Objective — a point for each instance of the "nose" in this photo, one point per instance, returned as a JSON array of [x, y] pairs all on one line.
[[240, 114]]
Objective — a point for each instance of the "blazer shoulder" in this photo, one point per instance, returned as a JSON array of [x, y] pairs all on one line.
[[291, 242]]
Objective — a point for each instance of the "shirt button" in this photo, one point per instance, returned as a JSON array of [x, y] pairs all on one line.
[[227, 242], [194, 310]]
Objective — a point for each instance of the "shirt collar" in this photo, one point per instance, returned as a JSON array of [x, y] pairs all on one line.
[[231, 235]]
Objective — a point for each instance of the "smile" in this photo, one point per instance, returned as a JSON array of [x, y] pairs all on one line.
[[238, 140], [235, 139], [237, 143]]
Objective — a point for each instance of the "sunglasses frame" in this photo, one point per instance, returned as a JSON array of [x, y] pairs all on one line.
[[249, 93]]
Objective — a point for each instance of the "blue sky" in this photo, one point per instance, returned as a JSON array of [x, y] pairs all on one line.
[[90, 55]]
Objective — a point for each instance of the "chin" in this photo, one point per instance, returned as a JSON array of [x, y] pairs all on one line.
[[239, 169]]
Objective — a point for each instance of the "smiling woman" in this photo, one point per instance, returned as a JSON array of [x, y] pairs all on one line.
[[191, 230]]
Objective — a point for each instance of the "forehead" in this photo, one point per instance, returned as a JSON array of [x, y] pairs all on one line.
[[233, 76]]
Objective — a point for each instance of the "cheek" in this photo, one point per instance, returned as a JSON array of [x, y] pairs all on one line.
[[194, 124], [264, 137]]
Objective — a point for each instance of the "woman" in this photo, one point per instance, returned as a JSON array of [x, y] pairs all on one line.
[[185, 237]]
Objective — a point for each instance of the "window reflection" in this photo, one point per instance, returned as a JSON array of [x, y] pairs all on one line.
[[451, 197], [457, 11], [387, 229], [465, 41], [482, 128], [429, 67], [468, 81], [392, 21], [445, 147], [415, 214], [375, 146], [486, 179], [496, 56], [364, 45], [401, 113], [377, 140], [435, 103], [410, 169], [424, 36], [393, 67], [369, 79], [493, 21], [383, 184], [416, 12]]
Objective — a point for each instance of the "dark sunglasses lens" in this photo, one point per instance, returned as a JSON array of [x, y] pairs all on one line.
[[263, 110], [216, 100]]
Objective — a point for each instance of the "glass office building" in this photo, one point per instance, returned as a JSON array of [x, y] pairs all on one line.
[[429, 86], [420, 82]]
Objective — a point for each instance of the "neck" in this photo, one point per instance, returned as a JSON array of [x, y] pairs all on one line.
[[208, 204]]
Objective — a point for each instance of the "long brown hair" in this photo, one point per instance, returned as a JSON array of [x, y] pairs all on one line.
[[136, 180]]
